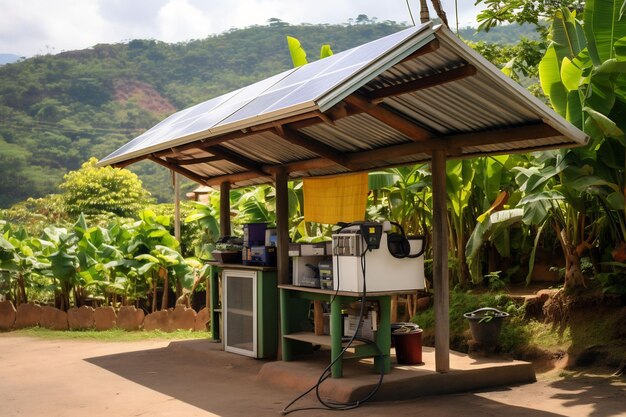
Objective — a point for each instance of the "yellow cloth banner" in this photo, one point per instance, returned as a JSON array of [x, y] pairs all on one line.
[[340, 198]]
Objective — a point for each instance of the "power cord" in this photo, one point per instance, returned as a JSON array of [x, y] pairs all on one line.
[[327, 371]]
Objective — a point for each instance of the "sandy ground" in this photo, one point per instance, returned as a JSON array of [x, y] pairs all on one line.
[[41, 377]]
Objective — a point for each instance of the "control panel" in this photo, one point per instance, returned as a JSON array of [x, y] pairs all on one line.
[[347, 244]]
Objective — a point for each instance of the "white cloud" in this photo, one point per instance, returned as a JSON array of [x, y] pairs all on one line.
[[179, 20], [29, 27]]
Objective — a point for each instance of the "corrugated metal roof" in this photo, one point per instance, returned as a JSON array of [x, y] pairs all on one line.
[[389, 102]]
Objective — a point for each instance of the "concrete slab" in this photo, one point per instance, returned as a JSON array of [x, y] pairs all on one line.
[[196, 378], [468, 373]]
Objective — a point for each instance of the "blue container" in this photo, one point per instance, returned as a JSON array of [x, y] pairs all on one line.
[[254, 234]]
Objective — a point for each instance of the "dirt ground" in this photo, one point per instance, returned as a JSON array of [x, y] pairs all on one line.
[[150, 378]]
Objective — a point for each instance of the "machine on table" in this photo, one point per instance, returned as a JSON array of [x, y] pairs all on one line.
[[389, 263]]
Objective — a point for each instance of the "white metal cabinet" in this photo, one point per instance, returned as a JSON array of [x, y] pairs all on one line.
[[240, 307]]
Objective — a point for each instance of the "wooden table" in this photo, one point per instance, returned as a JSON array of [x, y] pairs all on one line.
[[294, 305]]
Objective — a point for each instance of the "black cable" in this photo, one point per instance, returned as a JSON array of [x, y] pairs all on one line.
[[326, 372]]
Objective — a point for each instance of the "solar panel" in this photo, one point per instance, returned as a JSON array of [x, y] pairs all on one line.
[[288, 91]]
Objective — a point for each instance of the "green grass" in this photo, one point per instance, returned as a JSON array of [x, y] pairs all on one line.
[[115, 335]]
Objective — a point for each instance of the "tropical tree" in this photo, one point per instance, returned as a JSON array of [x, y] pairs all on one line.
[[103, 190]]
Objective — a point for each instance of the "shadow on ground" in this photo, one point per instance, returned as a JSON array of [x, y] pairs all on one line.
[[606, 396], [199, 373]]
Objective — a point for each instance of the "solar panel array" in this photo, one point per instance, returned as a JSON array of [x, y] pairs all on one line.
[[292, 91]]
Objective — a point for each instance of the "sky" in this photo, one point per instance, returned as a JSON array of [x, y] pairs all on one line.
[[32, 27]]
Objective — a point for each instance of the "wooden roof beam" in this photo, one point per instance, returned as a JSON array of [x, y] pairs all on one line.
[[128, 162], [402, 125], [440, 78], [236, 159], [431, 46], [455, 143], [307, 142], [235, 178], [205, 143], [194, 161], [182, 171]]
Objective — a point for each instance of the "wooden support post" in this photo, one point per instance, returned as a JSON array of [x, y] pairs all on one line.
[[441, 284], [318, 318], [281, 178], [394, 308], [225, 208], [282, 226], [176, 181]]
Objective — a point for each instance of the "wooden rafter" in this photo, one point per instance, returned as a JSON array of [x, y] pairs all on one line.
[[194, 161], [431, 46], [307, 142], [182, 171], [128, 162], [439, 78], [236, 159], [234, 178], [406, 127], [204, 143]]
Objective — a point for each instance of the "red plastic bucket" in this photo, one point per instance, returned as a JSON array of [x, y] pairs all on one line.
[[408, 342]]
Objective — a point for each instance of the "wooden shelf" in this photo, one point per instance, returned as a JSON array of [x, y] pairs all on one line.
[[344, 293], [314, 339]]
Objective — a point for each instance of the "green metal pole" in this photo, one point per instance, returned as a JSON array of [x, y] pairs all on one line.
[[383, 335], [336, 335], [287, 352]]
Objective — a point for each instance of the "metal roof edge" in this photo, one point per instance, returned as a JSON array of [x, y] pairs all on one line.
[[206, 134], [377, 66], [549, 116]]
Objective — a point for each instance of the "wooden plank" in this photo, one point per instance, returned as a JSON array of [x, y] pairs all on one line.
[[128, 162], [176, 206], [443, 77], [401, 124], [307, 142], [333, 293], [182, 171], [318, 318], [282, 226], [235, 178], [202, 143], [313, 116], [236, 159], [194, 161], [431, 46], [441, 285], [314, 339], [303, 165], [225, 208], [454, 143]]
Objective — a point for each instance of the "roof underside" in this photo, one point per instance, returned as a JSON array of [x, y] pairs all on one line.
[[386, 103]]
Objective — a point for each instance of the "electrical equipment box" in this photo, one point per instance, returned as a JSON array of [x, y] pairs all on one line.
[[306, 271], [383, 271], [326, 274]]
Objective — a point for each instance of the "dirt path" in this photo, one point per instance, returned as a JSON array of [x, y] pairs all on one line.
[[76, 378]]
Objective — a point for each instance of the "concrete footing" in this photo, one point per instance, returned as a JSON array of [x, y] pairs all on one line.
[[467, 373], [404, 382]]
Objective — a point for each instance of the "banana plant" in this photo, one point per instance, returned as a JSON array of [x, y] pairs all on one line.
[[21, 255], [583, 74], [298, 54], [159, 264], [556, 194], [402, 194], [64, 265]]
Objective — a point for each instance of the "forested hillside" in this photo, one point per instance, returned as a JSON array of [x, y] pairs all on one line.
[[56, 111]]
